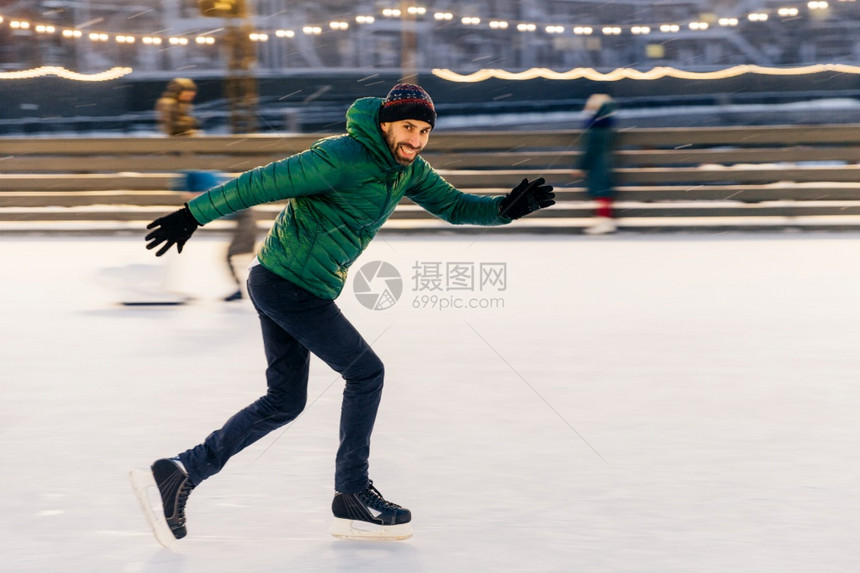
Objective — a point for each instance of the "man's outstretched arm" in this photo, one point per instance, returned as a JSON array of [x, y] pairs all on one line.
[[450, 204]]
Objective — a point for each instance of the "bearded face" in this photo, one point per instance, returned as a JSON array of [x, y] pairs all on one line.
[[406, 138]]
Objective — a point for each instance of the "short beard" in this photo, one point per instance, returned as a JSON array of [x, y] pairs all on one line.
[[392, 146]]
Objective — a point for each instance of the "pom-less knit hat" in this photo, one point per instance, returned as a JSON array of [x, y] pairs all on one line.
[[408, 101]]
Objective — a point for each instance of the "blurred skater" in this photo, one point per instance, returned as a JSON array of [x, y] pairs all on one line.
[[596, 161], [175, 113], [242, 244], [339, 193]]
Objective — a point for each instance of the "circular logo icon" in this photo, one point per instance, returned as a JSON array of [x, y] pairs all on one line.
[[377, 285]]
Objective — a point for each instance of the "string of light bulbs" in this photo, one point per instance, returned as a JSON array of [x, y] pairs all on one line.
[[633, 74], [414, 12], [107, 75], [209, 39]]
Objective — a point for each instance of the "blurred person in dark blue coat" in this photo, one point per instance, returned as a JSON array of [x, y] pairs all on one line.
[[596, 161]]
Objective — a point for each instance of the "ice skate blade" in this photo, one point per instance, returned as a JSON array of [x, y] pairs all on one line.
[[142, 483], [153, 302], [354, 529]]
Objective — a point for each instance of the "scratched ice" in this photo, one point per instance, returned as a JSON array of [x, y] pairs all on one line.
[[632, 403]]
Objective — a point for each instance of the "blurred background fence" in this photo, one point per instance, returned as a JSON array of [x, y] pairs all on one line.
[[763, 177]]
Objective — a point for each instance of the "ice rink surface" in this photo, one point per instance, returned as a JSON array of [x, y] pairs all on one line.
[[675, 403]]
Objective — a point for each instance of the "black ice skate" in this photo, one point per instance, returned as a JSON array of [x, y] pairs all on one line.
[[235, 296], [173, 485], [368, 515]]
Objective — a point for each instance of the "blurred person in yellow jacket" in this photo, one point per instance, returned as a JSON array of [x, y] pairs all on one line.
[[174, 110]]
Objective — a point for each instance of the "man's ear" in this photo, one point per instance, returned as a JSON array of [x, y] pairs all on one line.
[[384, 126]]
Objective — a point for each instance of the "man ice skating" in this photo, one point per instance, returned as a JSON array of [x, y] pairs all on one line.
[[340, 192]]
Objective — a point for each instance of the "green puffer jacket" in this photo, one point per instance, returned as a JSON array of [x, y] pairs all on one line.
[[340, 192]]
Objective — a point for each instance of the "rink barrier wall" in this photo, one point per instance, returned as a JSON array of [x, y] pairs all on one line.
[[761, 177]]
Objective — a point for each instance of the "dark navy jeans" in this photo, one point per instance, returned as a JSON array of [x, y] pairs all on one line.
[[295, 323]]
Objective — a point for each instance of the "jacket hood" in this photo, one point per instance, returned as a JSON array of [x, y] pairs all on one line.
[[362, 124]]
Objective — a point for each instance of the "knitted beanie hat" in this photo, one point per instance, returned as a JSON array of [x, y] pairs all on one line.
[[408, 101]]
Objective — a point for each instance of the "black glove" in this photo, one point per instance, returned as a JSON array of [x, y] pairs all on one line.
[[175, 228], [526, 198]]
